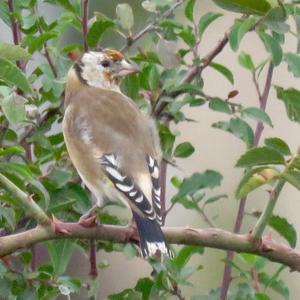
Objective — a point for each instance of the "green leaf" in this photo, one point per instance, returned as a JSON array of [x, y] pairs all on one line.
[[125, 16], [12, 52], [208, 179], [189, 10], [276, 284], [60, 252], [185, 254], [285, 229], [220, 105], [4, 13], [258, 115], [184, 150], [12, 150], [260, 156], [238, 128], [8, 214], [59, 177], [293, 177], [224, 71], [279, 145], [272, 46], [238, 31], [154, 78], [260, 7], [291, 99], [188, 36], [215, 198], [144, 286], [206, 20], [293, 62], [36, 43], [14, 108], [97, 30], [246, 61], [13, 76], [253, 179], [167, 139]]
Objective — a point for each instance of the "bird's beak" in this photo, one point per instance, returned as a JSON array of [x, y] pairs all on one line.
[[127, 68]]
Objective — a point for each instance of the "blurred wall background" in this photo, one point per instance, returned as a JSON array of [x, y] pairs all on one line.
[[215, 149]]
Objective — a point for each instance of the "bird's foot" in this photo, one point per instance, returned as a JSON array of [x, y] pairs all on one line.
[[89, 219]]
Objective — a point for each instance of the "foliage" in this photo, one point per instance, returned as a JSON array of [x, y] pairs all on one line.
[[33, 154]]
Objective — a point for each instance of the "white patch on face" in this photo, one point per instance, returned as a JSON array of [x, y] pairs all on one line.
[[94, 73]]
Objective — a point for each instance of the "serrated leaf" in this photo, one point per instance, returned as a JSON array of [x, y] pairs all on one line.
[[260, 156], [97, 30], [245, 6], [13, 76], [220, 105], [14, 108], [224, 71], [293, 177], [258, 115], [291, 99], [253, 179], [189, 10], [208, 179], [13, 52], [237, 127], [125, 16], [184, 150], [279, 145], [285, 229], [185, 253], [206, 20], [293, 62], [246, 61], [273, 47]]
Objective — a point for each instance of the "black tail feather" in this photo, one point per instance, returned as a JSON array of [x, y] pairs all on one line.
[[152, 240]]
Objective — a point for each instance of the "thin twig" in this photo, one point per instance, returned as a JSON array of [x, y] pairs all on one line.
[[84, 21], [151, 25], [227, 278], [15, 31]]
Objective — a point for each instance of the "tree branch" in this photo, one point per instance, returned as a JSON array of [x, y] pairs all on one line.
[[26, 201], [150, 26], [212, 238]]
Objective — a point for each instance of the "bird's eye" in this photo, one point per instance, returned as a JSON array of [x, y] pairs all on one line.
[[105, 63]]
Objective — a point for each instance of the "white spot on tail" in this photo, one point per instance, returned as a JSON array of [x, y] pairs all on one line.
[[124, 188], [114, 173], [154, 247]]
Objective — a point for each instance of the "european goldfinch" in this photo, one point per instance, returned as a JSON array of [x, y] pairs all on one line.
[[112, 144]]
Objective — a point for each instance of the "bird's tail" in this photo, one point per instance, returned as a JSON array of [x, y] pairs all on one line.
[[152, 240]]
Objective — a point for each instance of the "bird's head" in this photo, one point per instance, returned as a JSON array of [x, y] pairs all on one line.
[[104, 68]]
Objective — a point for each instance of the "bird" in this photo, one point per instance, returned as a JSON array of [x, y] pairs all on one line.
[[113, 145]]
